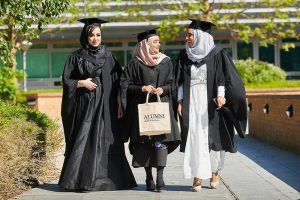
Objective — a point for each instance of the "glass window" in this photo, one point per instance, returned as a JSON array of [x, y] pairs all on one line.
[[132, 44], [173, 54], [39, 46], [245, 50], [222, 41], [19, 58], [290, 60], [37, 65], [267, 54], [228, 50], [128, 55], [180, 43], [58, 60], [290, 40], [119, 56], [113, 44], [67, 45]]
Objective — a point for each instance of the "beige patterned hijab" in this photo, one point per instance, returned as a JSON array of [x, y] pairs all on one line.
[[143, 52]]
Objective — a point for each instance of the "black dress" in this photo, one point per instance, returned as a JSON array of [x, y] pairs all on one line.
[[220, 71], [94, 155], [148, 151]]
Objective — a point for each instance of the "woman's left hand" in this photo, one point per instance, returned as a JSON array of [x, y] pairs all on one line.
[[120, 112], [158, 91], [221, 101]]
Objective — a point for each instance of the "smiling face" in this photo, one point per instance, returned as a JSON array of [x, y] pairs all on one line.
[[94, 37], [189, 37], [154, 45]]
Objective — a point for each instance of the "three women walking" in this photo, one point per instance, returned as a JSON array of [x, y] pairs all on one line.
[[100, 110]]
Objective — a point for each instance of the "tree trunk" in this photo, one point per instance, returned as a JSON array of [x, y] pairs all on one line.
[[206, 11], [13, 51]]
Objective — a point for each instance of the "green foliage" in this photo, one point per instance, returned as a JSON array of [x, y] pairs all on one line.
[[9, 87], [266, 20], [257, 72], [277, 84], [20, 19], [28, 140]]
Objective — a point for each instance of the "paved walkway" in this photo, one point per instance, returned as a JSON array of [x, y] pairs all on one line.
[[257, 171]]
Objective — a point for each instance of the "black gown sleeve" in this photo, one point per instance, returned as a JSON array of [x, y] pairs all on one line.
[[235, 92], [168, 88], [69, 95]]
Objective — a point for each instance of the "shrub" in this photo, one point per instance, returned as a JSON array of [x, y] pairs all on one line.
[[29, 141], [254, 71], [8, 84]]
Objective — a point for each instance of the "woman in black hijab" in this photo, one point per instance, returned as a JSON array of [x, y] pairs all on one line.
[[94, 155]]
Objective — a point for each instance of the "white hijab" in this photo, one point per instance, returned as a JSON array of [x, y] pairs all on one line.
[[203, 44]]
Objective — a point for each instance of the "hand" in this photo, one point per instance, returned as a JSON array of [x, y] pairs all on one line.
[[120, 112], [158, 91], [179, 108], [221, 101], [148, 89], [87, 83]]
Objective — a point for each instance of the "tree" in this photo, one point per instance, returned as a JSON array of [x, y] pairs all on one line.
[[24, 20], [267, 20]]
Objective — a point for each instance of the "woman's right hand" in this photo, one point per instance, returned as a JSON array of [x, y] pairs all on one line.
[[148, 89], [87, 83], [179, 108]]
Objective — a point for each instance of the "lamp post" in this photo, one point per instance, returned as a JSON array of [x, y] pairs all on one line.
[[25, 46]]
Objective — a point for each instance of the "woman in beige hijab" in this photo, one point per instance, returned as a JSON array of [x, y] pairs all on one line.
[[148, 72]]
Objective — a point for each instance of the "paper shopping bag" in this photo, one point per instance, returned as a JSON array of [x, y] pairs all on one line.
[[154, 118]]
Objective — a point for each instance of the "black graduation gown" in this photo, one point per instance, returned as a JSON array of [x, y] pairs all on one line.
[[94, 156], [135, 76], [221, 71]]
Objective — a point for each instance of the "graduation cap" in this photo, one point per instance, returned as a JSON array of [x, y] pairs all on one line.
[[201, 24], [146, 34], [93, 20]]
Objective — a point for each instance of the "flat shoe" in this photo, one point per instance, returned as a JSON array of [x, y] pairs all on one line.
[[213, 185], [196, 188]]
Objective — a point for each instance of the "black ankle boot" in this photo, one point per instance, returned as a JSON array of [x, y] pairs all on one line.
[[150, 185], [160, 185]]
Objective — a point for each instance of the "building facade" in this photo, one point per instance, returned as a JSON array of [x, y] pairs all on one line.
[[46, 57]]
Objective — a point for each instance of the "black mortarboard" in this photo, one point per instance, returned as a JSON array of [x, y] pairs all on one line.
[[201, 24], [147, 33], [93, 20]]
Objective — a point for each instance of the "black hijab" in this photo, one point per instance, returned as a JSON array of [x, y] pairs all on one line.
[[86, 31]]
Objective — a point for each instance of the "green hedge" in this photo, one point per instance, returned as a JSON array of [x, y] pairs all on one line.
[[257, 72], [28, 141]]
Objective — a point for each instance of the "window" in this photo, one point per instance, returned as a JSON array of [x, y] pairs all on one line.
[[39, 46], [132, 44], [58, 60], [173, 54], [37, 65], [290, 60], [228, 51], [67, 45], [180, 43], [245, 51], [113, 44], [267, 54], [119, 56]]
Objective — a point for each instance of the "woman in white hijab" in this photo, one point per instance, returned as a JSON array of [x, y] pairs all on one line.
[[206, 133], [148, 72]]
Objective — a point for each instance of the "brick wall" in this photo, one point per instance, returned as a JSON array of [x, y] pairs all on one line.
[[50, 104], [275, 127]]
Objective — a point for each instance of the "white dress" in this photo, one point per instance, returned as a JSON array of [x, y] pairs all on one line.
[[198, 161]]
